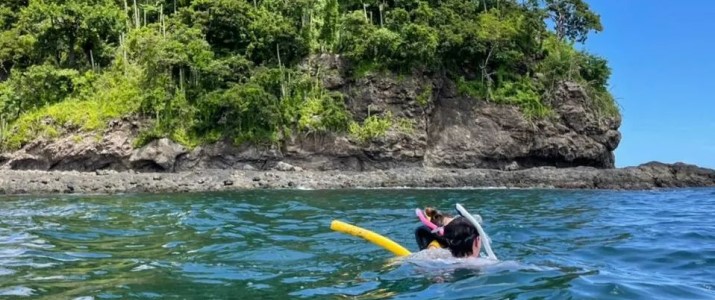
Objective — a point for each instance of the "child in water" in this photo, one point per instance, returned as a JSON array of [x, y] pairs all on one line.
[[456, 234]]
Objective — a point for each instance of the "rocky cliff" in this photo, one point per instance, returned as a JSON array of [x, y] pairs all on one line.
[[445, 129]]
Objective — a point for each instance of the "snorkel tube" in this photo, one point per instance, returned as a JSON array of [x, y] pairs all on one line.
[[485, 238], [428, 223]]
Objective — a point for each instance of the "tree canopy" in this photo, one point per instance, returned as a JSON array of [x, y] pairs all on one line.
[[205, 70]]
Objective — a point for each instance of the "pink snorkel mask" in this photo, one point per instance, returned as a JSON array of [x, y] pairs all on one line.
[[428, 223]]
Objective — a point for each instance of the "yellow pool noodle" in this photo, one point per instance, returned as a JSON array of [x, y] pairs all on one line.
[[434, 244], [370, 236]]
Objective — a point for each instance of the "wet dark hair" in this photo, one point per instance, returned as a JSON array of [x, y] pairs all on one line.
[[436, 216], [459, 237], [424, 236]]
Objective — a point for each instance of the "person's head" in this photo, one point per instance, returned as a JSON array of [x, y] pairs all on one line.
[[437, 217], [461, 237]]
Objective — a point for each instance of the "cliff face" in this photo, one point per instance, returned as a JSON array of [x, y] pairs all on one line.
[[445, 129], [469, 133], [452, 130]]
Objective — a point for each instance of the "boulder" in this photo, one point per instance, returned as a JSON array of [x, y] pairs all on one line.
[[78, 151], [282, 166], [158, 155]]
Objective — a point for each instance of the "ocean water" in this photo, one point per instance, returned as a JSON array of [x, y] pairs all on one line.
[[552, 244]]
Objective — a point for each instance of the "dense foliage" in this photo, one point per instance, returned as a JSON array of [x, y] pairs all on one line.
[[205, 70]]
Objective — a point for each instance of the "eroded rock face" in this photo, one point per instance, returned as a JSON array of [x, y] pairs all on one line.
[[224, 155], [468, 133], [452, 130], [80, 152]]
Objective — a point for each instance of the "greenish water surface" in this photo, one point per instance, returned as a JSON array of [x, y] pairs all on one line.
[[554, 244]]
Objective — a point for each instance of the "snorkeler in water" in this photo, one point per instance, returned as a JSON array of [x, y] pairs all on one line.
[[462, 235], [441, 230], [432, 220]]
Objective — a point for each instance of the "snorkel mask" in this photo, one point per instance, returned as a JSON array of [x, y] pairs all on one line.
[[485, 241], [435, 229], [465, 214]]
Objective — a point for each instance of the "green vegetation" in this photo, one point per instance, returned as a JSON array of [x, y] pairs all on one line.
[[205, 70], [425, 97], [373, 126]]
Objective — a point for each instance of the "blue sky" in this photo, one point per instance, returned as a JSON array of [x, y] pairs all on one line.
[[662, 54]]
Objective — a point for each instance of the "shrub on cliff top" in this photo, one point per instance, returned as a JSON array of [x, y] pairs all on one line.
[[111, 95]]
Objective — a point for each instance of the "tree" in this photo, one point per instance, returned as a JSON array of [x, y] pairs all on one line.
[[9, 12], [573, 19], [330, 16], [354, 31], [210, 69], [419, 45], [69, 30], [225, 23], [274, 39], [38, 86], [496, 31], [257, 32]]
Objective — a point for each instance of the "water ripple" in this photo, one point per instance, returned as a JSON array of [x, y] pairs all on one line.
[[276, 244]]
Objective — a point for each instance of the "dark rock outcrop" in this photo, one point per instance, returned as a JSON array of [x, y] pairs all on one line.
[[476, 134], [80, 151], [158, 155], [452, 130]]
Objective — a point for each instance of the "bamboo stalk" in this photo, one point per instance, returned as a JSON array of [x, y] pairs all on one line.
[[91, 58], [278, 53], [126, 12], [136, 15], [381, 23], [181, 79], [163, 25], [122, 37], [280, 65]]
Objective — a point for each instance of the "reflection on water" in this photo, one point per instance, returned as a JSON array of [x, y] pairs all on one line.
[[276, 244]]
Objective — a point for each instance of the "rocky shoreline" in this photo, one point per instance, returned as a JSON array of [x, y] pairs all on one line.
[[647, 176]]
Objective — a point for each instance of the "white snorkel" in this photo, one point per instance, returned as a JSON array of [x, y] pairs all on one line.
[[482, 234]]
